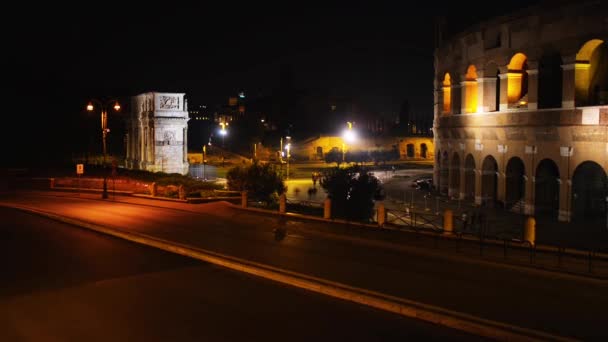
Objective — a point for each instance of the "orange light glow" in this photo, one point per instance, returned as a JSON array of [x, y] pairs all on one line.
[[116, 106], [90, 107], [447, 93], [470, 85]]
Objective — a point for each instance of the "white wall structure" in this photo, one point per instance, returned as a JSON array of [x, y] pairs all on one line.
[[157, 132]]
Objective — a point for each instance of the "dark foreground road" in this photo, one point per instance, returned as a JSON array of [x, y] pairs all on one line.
[[61, 283]]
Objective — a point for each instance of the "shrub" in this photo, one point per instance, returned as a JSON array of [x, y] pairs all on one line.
[[352, 191], [261, 181]]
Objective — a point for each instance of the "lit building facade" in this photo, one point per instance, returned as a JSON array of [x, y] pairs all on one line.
[[157, 132], [521, 112]]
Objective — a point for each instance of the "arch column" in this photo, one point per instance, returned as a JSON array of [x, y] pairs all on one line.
[[486, 94], [532, 88], [504, 95], [565, 204], [462, 186], [502, 175], [530, 179], [568, 90], [478, 178], [439, 101]]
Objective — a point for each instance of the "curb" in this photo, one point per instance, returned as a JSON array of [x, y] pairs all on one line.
[[455, 320]]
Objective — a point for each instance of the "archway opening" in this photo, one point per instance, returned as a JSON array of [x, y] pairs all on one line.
[[517, 81], [546, 189], [444, 172], [470, 85], [550, 81], [469, 177], [319, 152], [447, 94], [489, 181], [515, 186], [589, 191], [591, 74], [455, 175], [410, 150], [423, 151]]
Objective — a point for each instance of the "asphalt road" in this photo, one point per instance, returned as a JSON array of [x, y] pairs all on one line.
[[62, 283], [565, 306]]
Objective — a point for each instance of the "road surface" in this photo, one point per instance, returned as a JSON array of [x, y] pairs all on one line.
[[63, 283]]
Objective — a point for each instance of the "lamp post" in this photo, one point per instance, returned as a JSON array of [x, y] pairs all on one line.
[[348, 136], [223, 131], [288, 148], [103, 105]]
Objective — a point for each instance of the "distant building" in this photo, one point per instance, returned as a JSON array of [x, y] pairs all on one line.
[[157, 132], [410, 148]]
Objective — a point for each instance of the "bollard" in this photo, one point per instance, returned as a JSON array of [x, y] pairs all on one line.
[[327, 208], [153, 189], [448, 221], [530, 231], [244, 199], [52, 182], [182, 192], [381, 214], [282, 204]]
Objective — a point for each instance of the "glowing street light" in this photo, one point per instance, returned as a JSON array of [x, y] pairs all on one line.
[[223, 131], [288, 148], [104, 132], [348, 136]]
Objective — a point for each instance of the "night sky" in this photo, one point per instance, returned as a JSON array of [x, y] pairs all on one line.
[[378, 53]]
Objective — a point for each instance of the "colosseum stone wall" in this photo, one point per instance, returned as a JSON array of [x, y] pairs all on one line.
[[521, 112]]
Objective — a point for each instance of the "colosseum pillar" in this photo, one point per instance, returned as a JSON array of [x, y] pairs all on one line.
[[462, 185], [504, 99], [486, 88], [568, 71], [532, 88], [565, 205], [478, 179]]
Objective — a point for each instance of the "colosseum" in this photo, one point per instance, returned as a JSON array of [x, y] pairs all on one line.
[[521, 112]]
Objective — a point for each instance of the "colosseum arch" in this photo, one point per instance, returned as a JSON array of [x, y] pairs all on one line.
[[469, 177], [444, 172], [470, 90], [447, 93], [492, 99], [517, 80], [589, 190], [591, 74], [550, 80], [455, 174], [515, 183], [489, 180], [546, 189]]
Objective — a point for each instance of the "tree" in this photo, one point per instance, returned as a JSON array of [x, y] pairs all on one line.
[[352, 191], [261, 181], [334, 156]]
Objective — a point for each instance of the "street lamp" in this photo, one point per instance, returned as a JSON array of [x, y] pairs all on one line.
[[103, 105], [223, 131], [288, 148], [348, 136]]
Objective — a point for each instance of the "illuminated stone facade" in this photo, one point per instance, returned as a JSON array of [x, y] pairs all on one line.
[[157, 133], [409, 147], [521, 112]]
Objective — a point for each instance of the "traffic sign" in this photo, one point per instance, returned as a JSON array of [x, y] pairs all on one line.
[[79, 169]]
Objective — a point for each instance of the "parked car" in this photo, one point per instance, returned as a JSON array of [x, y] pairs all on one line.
[[423, 184]]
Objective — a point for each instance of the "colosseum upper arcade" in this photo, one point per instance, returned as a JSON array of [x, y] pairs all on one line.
[[521, 112]]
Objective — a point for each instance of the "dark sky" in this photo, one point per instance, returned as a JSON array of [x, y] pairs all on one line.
[[380, 53]]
